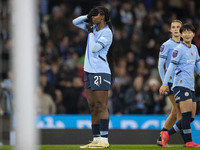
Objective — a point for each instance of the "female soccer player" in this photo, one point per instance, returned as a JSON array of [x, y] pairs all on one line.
[[97, 72], [164, 60], [184, 59]]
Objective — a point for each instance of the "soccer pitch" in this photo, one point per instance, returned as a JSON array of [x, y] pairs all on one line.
[[112, 147]]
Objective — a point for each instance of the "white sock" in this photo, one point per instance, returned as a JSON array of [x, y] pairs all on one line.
[[105, 140]]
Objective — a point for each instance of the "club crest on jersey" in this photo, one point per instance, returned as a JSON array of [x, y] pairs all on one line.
[[162, 48], [175, 53], [186, 94]]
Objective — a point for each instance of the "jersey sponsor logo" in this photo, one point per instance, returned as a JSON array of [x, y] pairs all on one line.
[[186, 94], [175, 53], [170, 77], [181, 81], [162, 48], [191, 53], [191, 61]]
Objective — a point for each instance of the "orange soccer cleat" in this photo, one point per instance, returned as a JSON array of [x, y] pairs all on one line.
[[192, 144], [165, 137]]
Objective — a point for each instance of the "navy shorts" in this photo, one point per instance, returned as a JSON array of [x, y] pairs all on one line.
[[97, 81], [170, 89], [182, 94]]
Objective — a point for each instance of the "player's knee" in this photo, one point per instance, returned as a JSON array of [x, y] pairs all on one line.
[[101, 107], [92, 107], [191, 119]]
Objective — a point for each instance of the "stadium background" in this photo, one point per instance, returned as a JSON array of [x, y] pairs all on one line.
[[140, 27]]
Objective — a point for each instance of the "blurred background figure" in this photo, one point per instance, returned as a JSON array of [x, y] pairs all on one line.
[[46, 104]]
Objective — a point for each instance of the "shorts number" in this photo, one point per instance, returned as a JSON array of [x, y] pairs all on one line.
[[97, 80]]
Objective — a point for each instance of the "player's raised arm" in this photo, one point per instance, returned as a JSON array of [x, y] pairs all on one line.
[[80, 22]]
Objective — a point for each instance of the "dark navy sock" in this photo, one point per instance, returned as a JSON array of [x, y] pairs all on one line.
[[186, 117], [96, 130], [182, 135], [164, 129], [104, 127], [175, 128]]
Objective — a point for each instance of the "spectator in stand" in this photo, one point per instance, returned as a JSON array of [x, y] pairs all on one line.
[[114, 104], [46, 104], [48, 88], [135, 97], [157, 101], [57, 25], [64, 48], [127, 17], [140, 13]]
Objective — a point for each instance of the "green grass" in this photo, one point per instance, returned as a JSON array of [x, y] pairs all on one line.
[[113, 147]]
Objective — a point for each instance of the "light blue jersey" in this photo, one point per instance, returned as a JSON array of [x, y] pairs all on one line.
[[185, 58], [165, 58], [97, 62], [95, 57]]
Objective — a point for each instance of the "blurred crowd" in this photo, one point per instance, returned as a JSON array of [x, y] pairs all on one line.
[[139, 29]]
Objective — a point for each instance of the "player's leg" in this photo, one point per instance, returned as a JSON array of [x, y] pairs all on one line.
[[184, 97], [92, 104], [178, 114], [100, 94], [173, 116], [186, 107], [94, 113], [102, 107], [171, 119], [186, 110], [194, 108]]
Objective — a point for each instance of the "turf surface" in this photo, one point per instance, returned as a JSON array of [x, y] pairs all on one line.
[[113, 147]]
